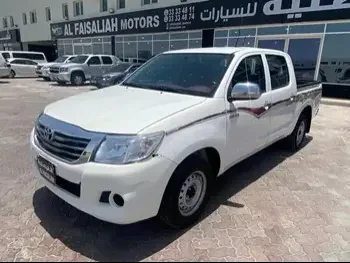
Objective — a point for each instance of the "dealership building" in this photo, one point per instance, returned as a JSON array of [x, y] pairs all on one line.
[[316, 33]]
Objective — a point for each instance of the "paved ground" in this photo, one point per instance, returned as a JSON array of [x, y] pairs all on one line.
[[272, 207]]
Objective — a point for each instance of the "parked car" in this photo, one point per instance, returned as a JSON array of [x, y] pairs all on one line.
[[38, 57], [22, 67], [4, 68], [81, 68], [114, 76], [155, 144], [43, 70]]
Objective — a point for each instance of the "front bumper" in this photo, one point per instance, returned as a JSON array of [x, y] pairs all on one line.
[[45, 73], [64, 77], [39, 72], [141, 185]]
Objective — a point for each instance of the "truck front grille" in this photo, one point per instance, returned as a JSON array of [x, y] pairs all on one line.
[[64, 146], [54, 70]]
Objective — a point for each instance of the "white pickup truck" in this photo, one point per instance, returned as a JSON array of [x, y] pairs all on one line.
[[155, 144]]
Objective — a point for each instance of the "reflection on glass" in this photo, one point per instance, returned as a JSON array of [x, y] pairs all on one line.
[[60, 50], [195, 43], [242, 32], [164, 36], [97, 48], [277, 44], [145, 50], [78, 50], [304, 54], [178, 36], [279, 30], [221, 33], [338, 27], [335, 60], [241, 42], [119, 50], [87, 49], [195, 34], [160, 47], [68, 49], [181, 44], [220, 42], [130, 50], [305, 29], [107, 48]]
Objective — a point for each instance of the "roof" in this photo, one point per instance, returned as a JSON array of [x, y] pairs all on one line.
[[26, 59], [219, 50]]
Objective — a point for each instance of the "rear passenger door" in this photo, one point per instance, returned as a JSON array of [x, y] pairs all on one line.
[[281, 108], [107, 63], [94, 67]]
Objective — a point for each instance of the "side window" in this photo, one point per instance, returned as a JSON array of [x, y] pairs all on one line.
[[107, 60], [37, 57], [16, 61], [278, 71], [251, 69], [94, 61], [6, 55], [32, 63]]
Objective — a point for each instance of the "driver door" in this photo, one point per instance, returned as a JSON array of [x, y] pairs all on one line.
[[248, 122]]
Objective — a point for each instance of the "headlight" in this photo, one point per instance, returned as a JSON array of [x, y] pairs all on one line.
[[107, 77], [127, 149], [63, 69]]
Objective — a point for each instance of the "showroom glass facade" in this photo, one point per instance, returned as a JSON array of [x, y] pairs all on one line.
[[139, 47], [318, 50], [143, 47]]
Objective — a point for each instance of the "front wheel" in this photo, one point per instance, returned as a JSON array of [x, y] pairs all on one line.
[[187, 193], [12, 74], [296, 139], [77, 78], [46, 78]]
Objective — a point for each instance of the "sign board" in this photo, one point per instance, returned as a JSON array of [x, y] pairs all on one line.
[[10, 36], [205, 15]]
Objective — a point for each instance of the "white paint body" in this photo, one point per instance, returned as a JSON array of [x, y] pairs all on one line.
[[23, 67], [4, 70], [124, 110]]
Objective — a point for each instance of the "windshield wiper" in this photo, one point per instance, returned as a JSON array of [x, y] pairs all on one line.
[[166, 88]]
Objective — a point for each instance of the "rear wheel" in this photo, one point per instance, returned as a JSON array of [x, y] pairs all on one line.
[[12, 74], [296, 139], [187, 193], [77, 78], [46, 78]]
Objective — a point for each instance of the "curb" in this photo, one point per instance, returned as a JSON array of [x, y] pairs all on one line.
[[335, 102]]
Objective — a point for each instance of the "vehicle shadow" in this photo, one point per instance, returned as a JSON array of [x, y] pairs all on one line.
[[68, 85], [4, 82], [103, 241]]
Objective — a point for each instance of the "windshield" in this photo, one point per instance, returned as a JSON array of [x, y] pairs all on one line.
[[79, 59], [188, 73], [61, 59], [120, 68]]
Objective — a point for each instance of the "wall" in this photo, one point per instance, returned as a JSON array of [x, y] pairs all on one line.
[[41, 30]]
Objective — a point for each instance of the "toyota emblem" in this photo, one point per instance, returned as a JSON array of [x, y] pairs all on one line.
[[48, 134]]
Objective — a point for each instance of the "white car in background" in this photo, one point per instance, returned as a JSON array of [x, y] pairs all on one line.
[[20, 67], [43, 69], [4, 69]]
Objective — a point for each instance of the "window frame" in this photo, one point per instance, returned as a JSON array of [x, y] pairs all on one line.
[[24, 18], [35, 20], [12, 22], [80, 5], [48, 13], [102, 2], [119, 6], [235, 70], [4, 22], [270, 78], [64, 9], [151, 2]]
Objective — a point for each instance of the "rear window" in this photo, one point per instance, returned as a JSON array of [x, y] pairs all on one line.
[[107, 60], [28, 56], [278, 71]]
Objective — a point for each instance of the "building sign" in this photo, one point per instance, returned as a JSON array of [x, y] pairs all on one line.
[[205, 15], [10, 36]]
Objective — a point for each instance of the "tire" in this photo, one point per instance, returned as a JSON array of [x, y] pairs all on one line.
[[296, 139], [12, 74], [46, 78], [77, 78], [194, 170]]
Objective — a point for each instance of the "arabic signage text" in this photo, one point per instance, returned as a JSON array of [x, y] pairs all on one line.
[[204, 15]]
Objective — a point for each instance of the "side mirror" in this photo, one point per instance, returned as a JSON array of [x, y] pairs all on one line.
[[245, 91]]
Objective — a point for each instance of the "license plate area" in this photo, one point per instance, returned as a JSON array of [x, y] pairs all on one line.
[[46, 169]]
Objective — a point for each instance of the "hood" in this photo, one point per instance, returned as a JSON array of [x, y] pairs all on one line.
[[47, 64], [120, 109], [68, 64], [114, 74]]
